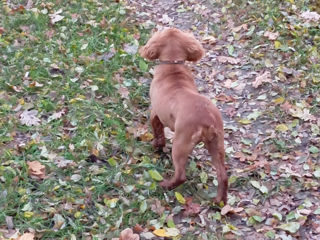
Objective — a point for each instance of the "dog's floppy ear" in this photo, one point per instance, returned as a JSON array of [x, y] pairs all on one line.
[[151, 50], [194, 49]]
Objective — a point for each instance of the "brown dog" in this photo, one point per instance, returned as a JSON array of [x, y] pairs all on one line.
[[177, 104]]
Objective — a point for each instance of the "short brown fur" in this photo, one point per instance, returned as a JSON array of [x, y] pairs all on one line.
[[177, 104]]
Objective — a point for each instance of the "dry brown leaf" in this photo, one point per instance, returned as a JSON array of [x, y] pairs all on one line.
[[36, 170], [124, 92], [209, 39], [26, 236], [138, 131], [157, 208], [138, 228], [225, 98], [271, 35], [231, 60], [227, 208], [243, 26], [191, 209], [265, 77], [128, 234], [240, 156]]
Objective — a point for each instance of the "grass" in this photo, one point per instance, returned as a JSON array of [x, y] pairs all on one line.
[[69, 63]]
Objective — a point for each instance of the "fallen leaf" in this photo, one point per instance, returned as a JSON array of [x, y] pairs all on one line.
[[265, 77], [155, 175], [167, 232], [180, 198], [191, 208], [310, 16], [15, 88], [128, 234], [231, 60], [56, 115], [282, 128], [29, 118], [291, 227], [157, 208], [227, 208], [244, 121], [209, 39], [124, 92], [138, 228], [271, 35], [146, 137], [303, 114], [131, 48], [35, 84], [279, 100], [160, 232], [36, 169], [277, 44], [26, 236], [166, 19], [55, 17], [59, 222], [224, 98]]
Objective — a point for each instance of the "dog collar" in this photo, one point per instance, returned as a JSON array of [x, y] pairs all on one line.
[[171, 62]]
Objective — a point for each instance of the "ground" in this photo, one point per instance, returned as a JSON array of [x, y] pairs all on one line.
[[76, 156]]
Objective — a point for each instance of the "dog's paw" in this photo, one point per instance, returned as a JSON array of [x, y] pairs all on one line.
[[172, 183], [158, 144], [220, 201], [166, 184]]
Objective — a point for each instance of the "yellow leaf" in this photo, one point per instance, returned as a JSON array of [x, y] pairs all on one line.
[[28, 214], [95, 152], [160, 233], [315, 80], [100, 79], [277, 44], [111, 203], [147, 137], [21, 101], [244, 121], [78, 214], [282, 128], [180, 198], [279, 100]]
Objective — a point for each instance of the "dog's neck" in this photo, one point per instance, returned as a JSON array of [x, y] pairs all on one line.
[[170, 62]]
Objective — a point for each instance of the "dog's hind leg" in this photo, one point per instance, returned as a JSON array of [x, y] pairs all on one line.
[[216, 149], [159, 140], [181, 148]]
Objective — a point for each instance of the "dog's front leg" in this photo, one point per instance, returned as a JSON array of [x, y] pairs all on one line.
[[181, 149], [159, 140]]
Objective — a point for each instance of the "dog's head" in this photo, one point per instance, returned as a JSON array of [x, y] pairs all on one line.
[[172, 44]]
